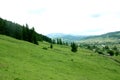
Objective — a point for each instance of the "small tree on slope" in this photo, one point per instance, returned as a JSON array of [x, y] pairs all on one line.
[[74, 47]]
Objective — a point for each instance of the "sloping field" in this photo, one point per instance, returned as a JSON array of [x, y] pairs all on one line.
[[20, 60]]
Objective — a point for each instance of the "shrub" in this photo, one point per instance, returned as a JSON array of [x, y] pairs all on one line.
[[72, 60], [117, 53], [44, 48], [100, 52], [17, 79], [111, 52]]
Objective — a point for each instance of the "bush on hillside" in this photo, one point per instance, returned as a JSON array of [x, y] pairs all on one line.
[[51, 46], [110, 52], [45, 48], [100, 52]]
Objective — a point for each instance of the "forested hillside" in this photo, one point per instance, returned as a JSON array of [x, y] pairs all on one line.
[[22, 32]]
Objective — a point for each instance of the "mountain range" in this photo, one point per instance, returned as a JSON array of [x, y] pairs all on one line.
[[80, 38], [66, 37]]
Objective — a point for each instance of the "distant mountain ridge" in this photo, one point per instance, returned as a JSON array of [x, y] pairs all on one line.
[[70, 37], [115, 34], [112, 34], [111, 37], [55, 35], [66, 37]]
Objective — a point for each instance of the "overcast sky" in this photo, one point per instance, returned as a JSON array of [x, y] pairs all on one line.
[[81, 17]]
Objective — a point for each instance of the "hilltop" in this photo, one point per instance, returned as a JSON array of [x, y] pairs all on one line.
[[21, 60], [111, 37]]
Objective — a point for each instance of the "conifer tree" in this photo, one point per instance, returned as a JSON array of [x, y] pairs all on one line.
[[34, 37], [59, 41], [53, 41], [23, 33], [51, 46], [2, 26], [74, 47]]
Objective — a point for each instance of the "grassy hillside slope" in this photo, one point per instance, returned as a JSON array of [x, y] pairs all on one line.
[[20, 60]]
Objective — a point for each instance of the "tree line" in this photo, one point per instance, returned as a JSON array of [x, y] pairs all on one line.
[[59, 41], [21, 32]]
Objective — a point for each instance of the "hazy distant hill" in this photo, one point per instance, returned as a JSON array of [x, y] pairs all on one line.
[[55, 35], [115, 34], [112, 35], [66, 37], [108, 37]]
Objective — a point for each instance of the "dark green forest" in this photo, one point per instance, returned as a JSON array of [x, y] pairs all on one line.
[[21, 32]]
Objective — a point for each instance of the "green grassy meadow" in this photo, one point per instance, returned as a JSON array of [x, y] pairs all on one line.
[[21, 60]]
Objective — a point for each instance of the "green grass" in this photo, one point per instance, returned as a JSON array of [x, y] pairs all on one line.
[[20, 60]]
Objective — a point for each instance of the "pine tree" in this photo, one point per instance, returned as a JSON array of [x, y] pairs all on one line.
[[2, 26], [18, 32], [74, 47], [34, 37], [23, 33], [27, 33], [66, 43], [53, 41], [51, 46], [60, 41], [57, 41]]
